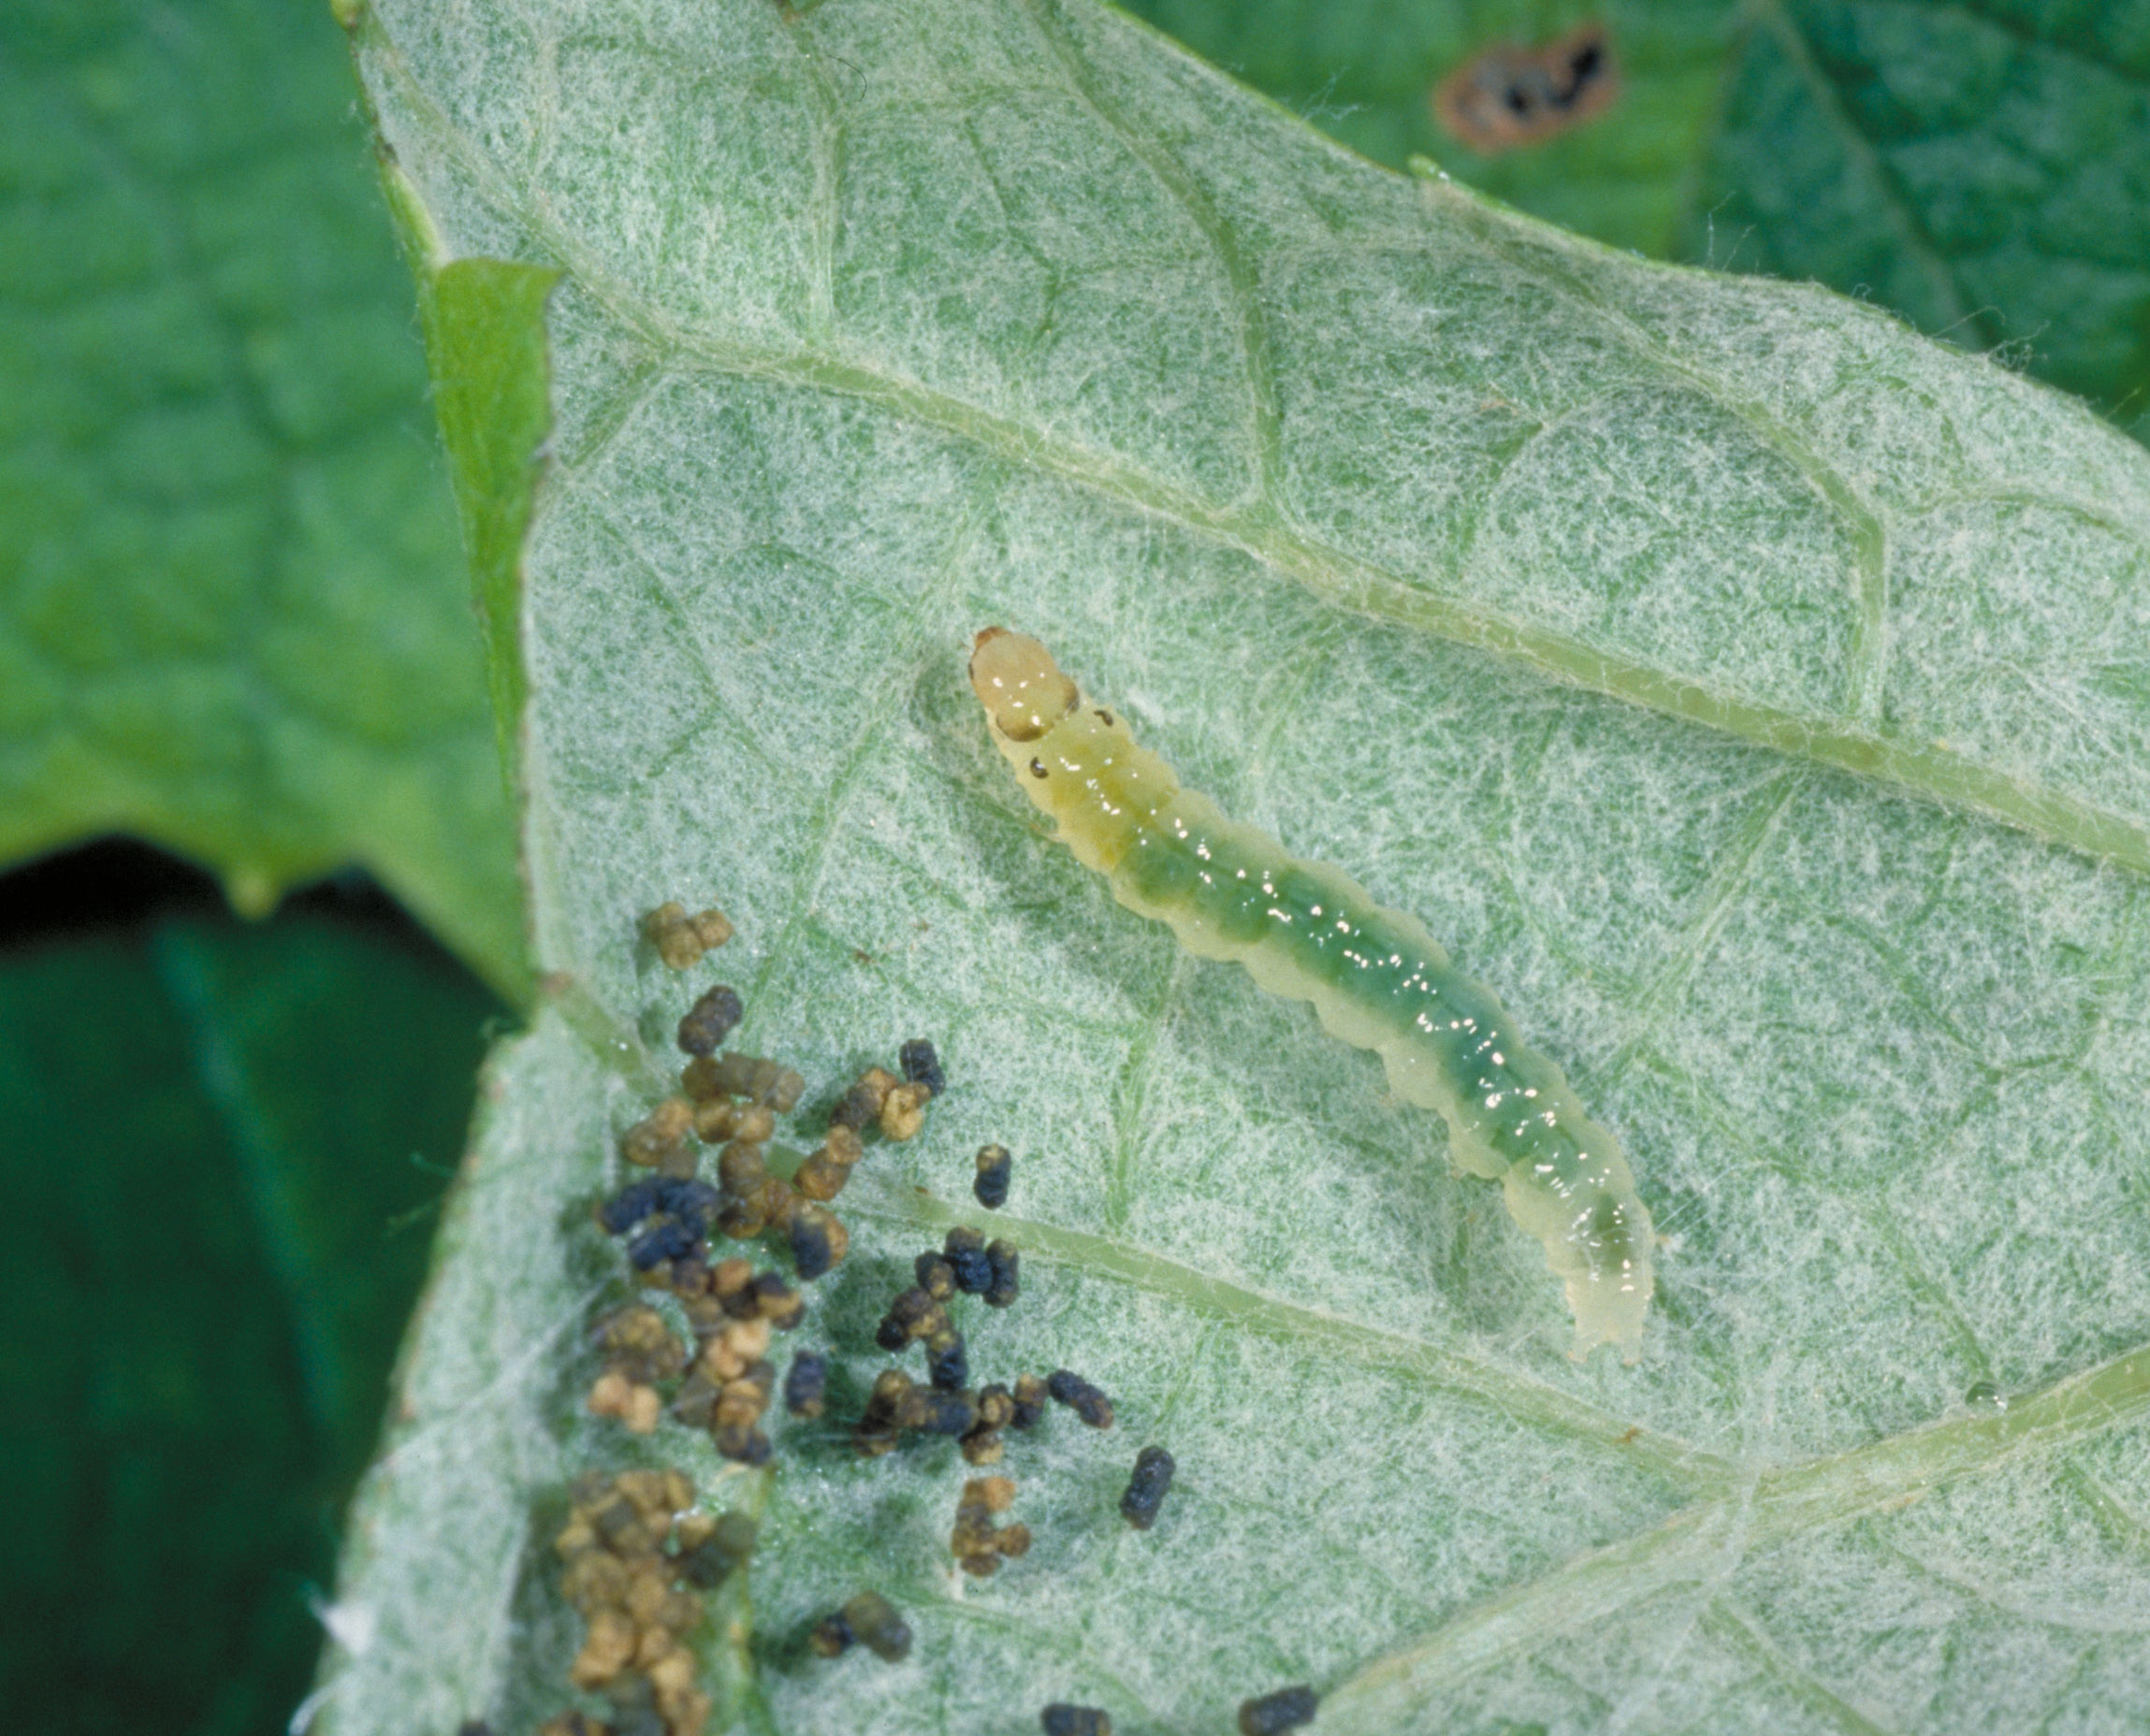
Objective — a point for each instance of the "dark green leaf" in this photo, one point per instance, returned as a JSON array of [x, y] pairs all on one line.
[[223, 1147], [233, 614], [1983, 170], [1365, 73]]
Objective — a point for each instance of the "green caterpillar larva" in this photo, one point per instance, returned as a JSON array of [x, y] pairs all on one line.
[[1376, 977]]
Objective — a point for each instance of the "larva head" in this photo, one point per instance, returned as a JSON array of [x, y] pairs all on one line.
[[1075, 758], [1022, 689]]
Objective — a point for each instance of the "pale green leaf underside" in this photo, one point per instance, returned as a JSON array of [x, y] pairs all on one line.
[[892, 321]]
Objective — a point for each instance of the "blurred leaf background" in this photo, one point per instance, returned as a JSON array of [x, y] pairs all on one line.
[[1983, 169], [234, 623]]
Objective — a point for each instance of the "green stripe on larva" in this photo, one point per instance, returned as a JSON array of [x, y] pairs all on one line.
[[1376, 977]]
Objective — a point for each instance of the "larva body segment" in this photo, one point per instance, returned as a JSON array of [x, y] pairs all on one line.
[[1376, 978]]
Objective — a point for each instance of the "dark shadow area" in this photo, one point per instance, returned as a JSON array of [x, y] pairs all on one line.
[[224, 1145]]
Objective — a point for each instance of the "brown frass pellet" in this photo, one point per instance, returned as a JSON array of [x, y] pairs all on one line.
[[742, 1443], [898, 1406], [990, 1185], [903, 1111], [819, 1240], [760, 1081], [978, 1544], [1274, 1713], [784, 1090], [830, 1637], [913, 1315], [699, 1079], [719, 1119], [776, 1301], [713, 1560], [887, 1408], [996, 1409], [861, 1108], [775, 1200], [947, 1364], [889, 1389], [710, 1020], [1145, 1490], [626, 1554], [681, 939], [741, 1167], [921, 1066], [659, 1136], [1060, 1719], [1079, 1397], [638, 1340], [874, 1622], [1030, 1396], [825, 1173], [936, 1412], [964, 1250], [935, 1276], [807, 1384], [1004, 1278]]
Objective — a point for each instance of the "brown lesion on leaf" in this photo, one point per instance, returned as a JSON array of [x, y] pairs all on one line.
[[1509, 94]]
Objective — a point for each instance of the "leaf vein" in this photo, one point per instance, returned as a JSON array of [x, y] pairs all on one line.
[[1240, 275], [1788, 1502], [1445, 1368], [1935, 773]]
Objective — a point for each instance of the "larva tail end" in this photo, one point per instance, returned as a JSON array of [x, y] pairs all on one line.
[[1597, 1238], [1601, 1318], [1022, 689], [1630, 1349]]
